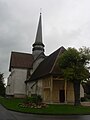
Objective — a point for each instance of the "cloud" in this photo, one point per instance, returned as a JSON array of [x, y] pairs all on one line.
[[14, 36], [65, 22]]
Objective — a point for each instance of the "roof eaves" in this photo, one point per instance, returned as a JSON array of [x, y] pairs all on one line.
[[37, 78]]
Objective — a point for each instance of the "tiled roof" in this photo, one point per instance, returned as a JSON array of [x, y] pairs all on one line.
[[47, 66], [20, 60]]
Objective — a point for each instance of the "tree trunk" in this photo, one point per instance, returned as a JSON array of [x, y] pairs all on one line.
[[76, 92]]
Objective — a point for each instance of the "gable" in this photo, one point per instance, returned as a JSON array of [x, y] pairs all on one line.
[[20, 60], [47, 66]]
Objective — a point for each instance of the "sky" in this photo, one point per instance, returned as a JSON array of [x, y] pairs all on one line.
[[64, 23]]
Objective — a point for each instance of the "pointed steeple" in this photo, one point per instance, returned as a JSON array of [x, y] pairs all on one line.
[[38, 46], [39, 32]]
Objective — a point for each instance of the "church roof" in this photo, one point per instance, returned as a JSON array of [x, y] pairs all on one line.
[[38, 46], [20, 60], [47, 66], [38, 39]]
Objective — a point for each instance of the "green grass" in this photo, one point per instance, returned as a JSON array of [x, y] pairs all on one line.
[[13, 104]]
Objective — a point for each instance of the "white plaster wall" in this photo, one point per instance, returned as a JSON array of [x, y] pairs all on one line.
[[34, 88], [19, 78], [7, 90], [81, 91], [15, 83], [9, 87]]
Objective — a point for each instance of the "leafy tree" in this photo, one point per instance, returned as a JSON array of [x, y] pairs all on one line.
[[2, 87], [73, 64]]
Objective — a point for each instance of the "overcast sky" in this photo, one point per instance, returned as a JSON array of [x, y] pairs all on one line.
[[65, 23]]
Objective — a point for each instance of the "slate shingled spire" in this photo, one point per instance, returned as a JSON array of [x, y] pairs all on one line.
[[38, 46]]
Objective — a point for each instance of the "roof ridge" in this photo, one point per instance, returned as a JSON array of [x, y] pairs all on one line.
[[56, 58], [46, 67], [21, 53], [39, 56]]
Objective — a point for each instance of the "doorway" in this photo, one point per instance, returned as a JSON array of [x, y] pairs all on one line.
[[62, 96]]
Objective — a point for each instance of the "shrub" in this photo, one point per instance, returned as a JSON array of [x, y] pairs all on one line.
[[83, 99], [34, 99]]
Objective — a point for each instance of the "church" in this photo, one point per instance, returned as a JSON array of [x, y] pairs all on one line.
[[36, 73]]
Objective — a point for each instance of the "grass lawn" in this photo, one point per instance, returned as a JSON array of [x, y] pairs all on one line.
[[13, 104]]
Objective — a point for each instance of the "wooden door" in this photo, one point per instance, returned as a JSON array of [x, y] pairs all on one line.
[[62, 96]]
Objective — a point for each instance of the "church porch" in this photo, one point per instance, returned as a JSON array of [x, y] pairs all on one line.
[[57, 90]]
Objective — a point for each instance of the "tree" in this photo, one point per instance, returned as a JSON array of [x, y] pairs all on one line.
[[73, 64], [2, 87]]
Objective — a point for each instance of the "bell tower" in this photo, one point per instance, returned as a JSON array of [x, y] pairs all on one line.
[[38, 46]]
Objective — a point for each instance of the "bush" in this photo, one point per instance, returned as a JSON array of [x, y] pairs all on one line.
[[87, 96], [34, 99], [83, 99]]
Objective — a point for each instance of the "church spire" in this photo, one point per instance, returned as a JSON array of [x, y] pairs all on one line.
[[38, 46], [39, 31]]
